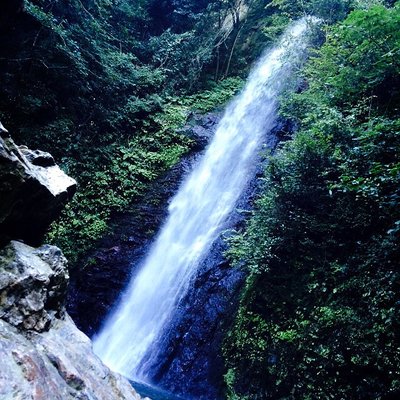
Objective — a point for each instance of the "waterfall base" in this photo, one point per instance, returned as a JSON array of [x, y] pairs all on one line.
[[153, 392]]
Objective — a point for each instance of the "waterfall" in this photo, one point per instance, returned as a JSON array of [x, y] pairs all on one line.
[[197, 213]]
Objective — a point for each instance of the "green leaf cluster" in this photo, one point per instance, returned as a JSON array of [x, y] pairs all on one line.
[[104, 85], [320, 311]]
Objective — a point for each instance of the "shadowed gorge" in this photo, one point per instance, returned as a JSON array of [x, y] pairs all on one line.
[[130, 338], [224, 183]]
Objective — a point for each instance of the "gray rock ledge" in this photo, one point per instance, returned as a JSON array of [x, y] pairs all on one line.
[[43, 355]]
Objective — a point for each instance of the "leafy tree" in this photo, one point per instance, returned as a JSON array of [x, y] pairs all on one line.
[[319, 316]]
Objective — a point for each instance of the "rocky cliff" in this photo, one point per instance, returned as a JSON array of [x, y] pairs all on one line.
[[33, 191], [43, 354]]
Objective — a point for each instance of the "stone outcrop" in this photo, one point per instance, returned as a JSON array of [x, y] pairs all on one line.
[[43, 355], [58, 364], [33, 285], [33, 191]]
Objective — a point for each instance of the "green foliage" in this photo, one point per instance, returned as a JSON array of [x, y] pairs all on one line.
[[319, 316], [361, 58], [95, 83], [330, 11], [214, 97], [131, 169], [128, 169]]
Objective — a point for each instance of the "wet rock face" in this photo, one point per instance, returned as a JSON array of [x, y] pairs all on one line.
[[33, 285], [192, 344], [201, 128], [33, 191], [99, 279]]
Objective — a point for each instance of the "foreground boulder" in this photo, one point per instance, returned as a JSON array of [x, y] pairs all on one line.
[[43, 355], [33, 191], [57, 364]]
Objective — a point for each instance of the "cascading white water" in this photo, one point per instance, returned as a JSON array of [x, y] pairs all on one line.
[[197, 213]]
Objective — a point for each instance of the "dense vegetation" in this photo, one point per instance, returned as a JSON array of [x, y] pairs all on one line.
[[103, 85], [320, 313]]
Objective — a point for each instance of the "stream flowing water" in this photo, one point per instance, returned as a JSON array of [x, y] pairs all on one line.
[[127, 342]]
